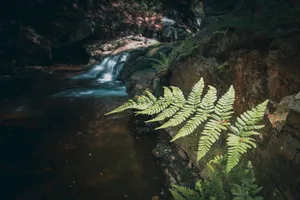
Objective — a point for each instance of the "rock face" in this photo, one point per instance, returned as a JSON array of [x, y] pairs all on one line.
[[293, 117], [255, 74], [277, 158], [258, 75], [141, 80], [59, 29], [138, 73], [265, 69], [34, 47]]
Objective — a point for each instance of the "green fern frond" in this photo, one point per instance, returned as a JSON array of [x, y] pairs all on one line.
[[161, 64], [176, 195], [140, 103], [247, 122], [237, 146], [209, 99], [223, 109], [247, 189], [160, 105], [151, 96], [175, 106], [202, 114], [199, 188], [216, 184], [218, 160], [164, 59], [186, 192], [143, 102], [194, 97], [168, 93], [178, 95], [245, 126], [167, 113], [157, 107], [218, 123], [179, 117], [128, 105], [185, 48], [189, 108]]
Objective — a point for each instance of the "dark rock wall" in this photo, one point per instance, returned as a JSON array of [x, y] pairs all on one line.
[[67, 24], [259, 68]]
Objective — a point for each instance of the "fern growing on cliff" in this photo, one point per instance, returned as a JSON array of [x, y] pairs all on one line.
[[161, 65], [219, 186], [197, 109], [185, 48]]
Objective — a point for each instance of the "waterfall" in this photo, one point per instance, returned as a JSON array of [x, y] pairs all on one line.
[[103, 80], [107, 70]]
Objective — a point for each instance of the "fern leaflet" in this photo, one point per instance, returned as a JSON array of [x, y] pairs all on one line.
[[189, 108], [176, 195], [219, 122], [174, 107], [160, 104], [239, 142], [187, 193], [194, 98], [202, 114], [128, 105], [237, 146]]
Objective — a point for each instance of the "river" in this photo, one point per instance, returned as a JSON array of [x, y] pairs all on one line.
[[56, 143]]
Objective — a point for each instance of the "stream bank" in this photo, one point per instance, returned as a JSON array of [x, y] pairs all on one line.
[[259, 67], [56, 142]]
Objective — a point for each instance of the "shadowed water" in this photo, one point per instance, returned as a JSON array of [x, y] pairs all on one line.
[[55, 144], [118, 91]]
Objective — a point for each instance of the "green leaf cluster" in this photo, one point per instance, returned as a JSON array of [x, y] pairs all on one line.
[[162, 64], [239, 184], [199, 108], [183, 49]]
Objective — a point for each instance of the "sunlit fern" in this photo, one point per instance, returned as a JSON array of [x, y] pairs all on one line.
[[198, 109]]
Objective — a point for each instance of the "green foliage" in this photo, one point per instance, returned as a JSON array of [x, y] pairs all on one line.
[[203, 111], [239, 141], [217, 123], [161, 65], [220, 185], [185, 48], [195, 110]]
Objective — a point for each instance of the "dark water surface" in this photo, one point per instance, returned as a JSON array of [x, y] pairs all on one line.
[[63, 147]]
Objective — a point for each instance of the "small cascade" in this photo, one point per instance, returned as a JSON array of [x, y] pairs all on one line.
[[103, 80], [113, 68], [107, 70]]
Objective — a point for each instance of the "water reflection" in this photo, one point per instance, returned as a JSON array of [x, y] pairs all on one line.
[[65, 148], [81, 93]]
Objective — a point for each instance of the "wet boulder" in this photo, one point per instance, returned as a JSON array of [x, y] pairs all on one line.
[[293, 117], [142, 59], [141, 80]]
